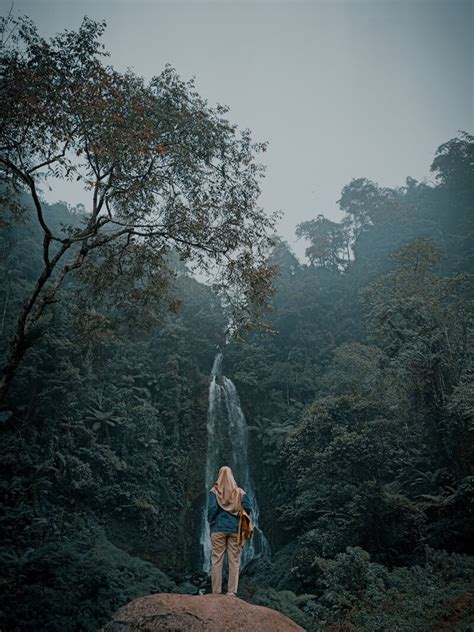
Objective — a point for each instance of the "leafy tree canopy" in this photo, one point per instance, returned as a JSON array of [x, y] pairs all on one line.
[[165, 171]]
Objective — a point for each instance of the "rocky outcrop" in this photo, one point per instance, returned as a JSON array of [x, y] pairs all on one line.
[[197, 613]]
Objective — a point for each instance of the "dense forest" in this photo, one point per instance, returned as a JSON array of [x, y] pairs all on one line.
[[354, 370]]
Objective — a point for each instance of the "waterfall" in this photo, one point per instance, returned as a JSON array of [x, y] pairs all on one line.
[[227, 444]]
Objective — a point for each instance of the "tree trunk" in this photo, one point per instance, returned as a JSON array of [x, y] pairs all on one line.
[[16, 354], [29, 315], [5, 305]]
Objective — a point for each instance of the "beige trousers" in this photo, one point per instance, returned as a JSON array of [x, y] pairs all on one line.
[[219, 543]]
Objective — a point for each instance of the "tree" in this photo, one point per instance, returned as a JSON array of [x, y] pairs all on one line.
[[453, 167], [453, 162], [165, 172], [365, 202], [339, 458], [328, 242], [423, 323], [282, 257]]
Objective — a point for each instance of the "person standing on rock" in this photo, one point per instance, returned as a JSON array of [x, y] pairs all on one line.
[[225, 501]]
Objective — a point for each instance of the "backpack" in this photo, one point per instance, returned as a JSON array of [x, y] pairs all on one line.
[[245, 531]]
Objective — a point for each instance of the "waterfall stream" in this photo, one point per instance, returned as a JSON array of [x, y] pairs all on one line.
[[227, 444]]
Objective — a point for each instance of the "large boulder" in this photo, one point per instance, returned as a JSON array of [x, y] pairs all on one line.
[[197, 613]]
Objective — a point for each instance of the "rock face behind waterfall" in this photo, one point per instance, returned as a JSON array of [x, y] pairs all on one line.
[[203, 613]]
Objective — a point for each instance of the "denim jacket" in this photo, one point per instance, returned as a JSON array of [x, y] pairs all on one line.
[[221, 520]]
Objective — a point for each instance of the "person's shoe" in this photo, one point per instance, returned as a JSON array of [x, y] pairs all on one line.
[[231, 594]]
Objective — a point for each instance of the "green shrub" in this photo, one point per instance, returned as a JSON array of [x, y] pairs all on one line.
[[74, 583]]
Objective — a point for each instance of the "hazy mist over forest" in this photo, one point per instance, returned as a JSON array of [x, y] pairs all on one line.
[[339, 89]]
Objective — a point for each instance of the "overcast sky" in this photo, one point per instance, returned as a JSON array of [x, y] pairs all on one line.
[[340, 89]]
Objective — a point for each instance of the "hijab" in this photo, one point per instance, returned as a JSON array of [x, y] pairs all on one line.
[[228, 494]]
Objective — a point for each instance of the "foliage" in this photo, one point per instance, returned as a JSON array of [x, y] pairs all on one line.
[[105, 432], [361, 403], [165, 172], [329, 241], [352, 593], [359, 395], [104, 578]]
